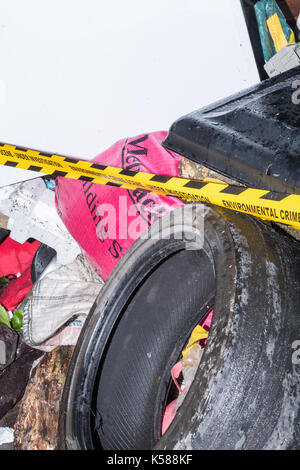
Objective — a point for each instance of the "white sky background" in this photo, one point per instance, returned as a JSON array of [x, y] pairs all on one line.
[[77, 75]]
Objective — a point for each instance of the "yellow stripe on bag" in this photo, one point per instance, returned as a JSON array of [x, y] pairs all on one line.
[[264, 204], [277, 32]]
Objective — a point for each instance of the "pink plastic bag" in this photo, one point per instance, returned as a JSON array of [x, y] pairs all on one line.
[[105, 220]]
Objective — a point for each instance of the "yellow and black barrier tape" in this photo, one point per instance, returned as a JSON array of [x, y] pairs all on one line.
[[264, 204]]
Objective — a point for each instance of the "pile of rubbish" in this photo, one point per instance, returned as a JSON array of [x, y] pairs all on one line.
[[62, 240]]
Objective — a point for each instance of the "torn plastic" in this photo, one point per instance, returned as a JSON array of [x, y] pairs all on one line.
[[187, 367], [274, 30], [30, 207], [197, 335], [16, 262], [21, 265], [190, 365]]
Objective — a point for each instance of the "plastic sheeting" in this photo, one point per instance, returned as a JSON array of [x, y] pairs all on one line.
[[16, 260], [273, 28]]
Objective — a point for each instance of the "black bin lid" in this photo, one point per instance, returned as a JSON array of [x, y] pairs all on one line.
[[252, 137]]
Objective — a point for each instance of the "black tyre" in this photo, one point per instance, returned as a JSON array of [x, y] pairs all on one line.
[[246, 393]]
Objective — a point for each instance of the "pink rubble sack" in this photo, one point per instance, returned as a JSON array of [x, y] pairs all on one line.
[[106, 220]]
